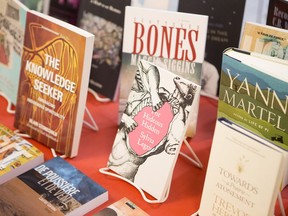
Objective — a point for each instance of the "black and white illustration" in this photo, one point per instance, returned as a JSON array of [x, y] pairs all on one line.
[[163, 101]]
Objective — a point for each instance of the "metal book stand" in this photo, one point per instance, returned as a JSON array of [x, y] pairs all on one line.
[[195, 160], [94, 126]]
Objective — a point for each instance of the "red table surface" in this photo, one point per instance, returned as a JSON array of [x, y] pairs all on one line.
[[95, 147]]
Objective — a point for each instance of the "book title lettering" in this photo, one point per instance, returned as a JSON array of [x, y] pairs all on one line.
[[153, 126], [280, 18], [237, 188], [270, 100], [165, 41], [50, 76], [56, 185], [107, 7]]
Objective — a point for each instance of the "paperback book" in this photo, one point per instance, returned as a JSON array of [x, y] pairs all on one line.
[[265, 39], [17, 155], [152, 128], [52, 188], [55, 70], [12, 28], [172, 40], [246, 179], [104, 19]]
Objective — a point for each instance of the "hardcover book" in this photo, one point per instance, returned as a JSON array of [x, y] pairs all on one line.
[[104, 19], [17, 155], [172, 40], [264, 39], [55, 70], [246, 179], [12, 28], [152, 128], [52, 188], [224, 28], [122, 207], [253, 94], [277, 14]]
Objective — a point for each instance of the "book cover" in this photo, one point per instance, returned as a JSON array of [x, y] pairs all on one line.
[[246, 179], [104, 19], [277, 14], [253, 93], [224, 27], [17, 155], [152, 128], [53, 188], [264, 39], [66, 10], [172, 40], [38, 5], [12, 28], [122, 207], [55, 70], [171, 5]]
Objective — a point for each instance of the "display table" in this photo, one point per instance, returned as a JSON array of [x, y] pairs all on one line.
[[95, 147]]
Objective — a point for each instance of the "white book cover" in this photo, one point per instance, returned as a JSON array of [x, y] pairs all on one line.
[[172, 40], [244, 173], [152, 128]]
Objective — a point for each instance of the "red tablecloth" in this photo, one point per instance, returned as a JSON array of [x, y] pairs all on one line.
[[95, 147]]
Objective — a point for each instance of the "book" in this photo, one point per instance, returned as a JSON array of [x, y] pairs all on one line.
[[255, 11], [122, 207], [55, 70], [253, 94], [224, 27], [38, 5], [264, 39], [169, 39], [277, 14], [12, 28], [152, 128], [17, 155], [246, 179], [104, 19], [64, 10], [54, 187], [171, 5]]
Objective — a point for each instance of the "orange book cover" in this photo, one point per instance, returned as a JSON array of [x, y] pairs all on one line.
[[52, 93]]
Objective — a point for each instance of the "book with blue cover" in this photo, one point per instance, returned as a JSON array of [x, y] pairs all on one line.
[[51, 188]]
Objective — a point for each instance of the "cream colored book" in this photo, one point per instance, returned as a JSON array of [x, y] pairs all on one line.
[[264, 39], [244, 173]]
